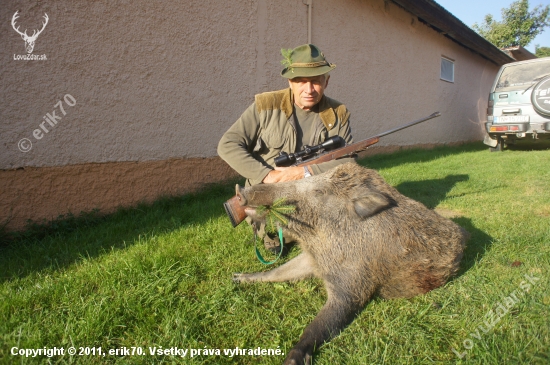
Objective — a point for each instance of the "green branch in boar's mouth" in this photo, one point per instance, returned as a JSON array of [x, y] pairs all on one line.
[[275, 215]]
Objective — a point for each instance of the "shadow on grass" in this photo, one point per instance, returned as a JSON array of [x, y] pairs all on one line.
[[529, 145], [477, 245], [62, 242], [430, 192], [415, 155]]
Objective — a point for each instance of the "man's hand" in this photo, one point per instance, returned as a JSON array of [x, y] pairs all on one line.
[[281, 174]]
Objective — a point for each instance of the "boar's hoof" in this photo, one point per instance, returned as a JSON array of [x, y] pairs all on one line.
[[242, 278], [237, 277], [297, 357]]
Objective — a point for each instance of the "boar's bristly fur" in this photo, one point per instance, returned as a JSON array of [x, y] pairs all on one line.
[[362, 238]]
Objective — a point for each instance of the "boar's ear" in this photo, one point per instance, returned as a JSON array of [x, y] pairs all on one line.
[[369, 204]]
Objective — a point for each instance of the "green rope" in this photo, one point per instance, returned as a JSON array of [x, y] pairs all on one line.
[[259, 255], [276, 216]]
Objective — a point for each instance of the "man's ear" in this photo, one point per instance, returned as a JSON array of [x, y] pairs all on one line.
[[369, 204], [327, 77]]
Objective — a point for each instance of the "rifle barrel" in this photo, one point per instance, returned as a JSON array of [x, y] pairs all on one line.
[[433, 115]]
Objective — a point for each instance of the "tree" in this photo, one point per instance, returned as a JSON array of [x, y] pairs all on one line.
[[518, 27], [542, 51]]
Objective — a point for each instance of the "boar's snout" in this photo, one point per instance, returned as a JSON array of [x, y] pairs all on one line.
[[239, 191]]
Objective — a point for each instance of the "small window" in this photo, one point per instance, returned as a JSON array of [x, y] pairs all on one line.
[[447, 70]]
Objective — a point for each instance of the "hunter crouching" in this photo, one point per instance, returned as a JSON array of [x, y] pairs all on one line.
[[286, 121]]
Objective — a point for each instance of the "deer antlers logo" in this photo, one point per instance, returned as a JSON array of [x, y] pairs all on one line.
[[29, 41]]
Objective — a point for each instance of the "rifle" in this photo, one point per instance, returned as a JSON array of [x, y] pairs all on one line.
[[323, 152]]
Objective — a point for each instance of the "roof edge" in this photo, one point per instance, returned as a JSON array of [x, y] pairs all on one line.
[[441, 20]]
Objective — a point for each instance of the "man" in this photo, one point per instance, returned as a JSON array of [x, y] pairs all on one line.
[[286, 121]]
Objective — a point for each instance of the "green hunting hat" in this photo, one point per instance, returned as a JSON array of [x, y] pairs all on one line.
[[304, 61]]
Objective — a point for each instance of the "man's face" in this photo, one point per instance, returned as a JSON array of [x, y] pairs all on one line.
[[308, 91]]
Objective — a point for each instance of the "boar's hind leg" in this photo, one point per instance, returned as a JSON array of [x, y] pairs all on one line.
[[339, 311], [300, 267]]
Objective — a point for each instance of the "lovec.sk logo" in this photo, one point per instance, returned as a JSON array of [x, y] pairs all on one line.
[[29, 40]]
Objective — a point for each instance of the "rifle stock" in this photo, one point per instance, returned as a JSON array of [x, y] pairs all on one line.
[[235, 210]]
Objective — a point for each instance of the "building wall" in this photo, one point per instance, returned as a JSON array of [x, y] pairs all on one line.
[[389, 73], [148, 88]]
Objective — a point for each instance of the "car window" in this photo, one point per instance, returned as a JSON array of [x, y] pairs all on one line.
[[518, 77]]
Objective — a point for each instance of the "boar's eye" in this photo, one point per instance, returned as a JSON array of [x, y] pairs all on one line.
[[370, 203]]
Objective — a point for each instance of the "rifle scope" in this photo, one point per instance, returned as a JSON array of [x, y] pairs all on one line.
[[287, 159]]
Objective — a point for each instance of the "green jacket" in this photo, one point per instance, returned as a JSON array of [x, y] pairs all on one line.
[[266, 128]]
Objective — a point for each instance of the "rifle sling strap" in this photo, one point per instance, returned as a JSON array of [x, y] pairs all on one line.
[[259, 255]]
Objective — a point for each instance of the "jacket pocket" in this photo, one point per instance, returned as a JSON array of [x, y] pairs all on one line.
[[273, 140]]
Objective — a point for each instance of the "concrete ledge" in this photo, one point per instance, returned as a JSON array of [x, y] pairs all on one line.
[[39, 193], [44, 193]]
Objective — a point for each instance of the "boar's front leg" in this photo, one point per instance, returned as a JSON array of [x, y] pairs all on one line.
[[339, 311], [300, 267]]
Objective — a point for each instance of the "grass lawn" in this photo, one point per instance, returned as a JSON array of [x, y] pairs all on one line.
[[158, 277]]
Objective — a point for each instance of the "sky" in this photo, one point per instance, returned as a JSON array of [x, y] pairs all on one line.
[[474, 11]]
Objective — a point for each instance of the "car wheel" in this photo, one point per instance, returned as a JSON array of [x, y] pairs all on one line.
[[540, 97], [499, 147]]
